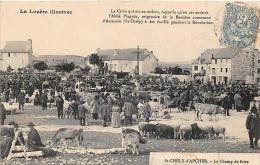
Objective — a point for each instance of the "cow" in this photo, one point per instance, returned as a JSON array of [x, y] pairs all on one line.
[[164, 131], [131, 138], [210, 109], [147, 128], [207, 130], [185, 131], [219, 130], [64, 134], [176, 131]]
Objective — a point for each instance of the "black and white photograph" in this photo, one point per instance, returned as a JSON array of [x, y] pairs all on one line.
[[129, 82]]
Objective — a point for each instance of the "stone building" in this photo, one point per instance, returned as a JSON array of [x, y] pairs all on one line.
[[54, 60], [227, 64], [16, 54], [125, 60]]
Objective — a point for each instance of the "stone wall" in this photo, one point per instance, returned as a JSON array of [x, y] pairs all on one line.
[[244, 65]]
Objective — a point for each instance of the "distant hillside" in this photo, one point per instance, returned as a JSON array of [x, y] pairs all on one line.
[[183, 65]]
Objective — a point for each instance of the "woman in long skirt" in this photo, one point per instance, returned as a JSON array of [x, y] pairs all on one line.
[[116, 119]]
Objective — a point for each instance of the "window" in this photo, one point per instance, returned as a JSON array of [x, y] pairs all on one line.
[[220, 78], [258, 61], [196, 67], [209, 69], [216, 61], [220, 60], [9, 54], [126, 65], [221, 70], [258, 70], [258, 80], [213, 70], [202, 67], [226, 70]]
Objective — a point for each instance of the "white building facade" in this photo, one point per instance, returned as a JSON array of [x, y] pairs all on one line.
[[227, 64], [125, 60], [16, 54]]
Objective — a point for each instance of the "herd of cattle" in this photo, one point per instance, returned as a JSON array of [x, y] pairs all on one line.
[[131, 137]]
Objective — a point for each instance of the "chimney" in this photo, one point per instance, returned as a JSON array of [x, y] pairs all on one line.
[[115, 52], [30, 43], [30, 52], [212, 56], [98, 49]]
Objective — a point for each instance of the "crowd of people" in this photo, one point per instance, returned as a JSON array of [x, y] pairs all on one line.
[[118, 101]]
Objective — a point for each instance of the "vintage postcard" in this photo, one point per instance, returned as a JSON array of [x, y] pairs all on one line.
[[130, 82]]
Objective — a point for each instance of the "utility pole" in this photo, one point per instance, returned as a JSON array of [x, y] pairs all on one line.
[[137, 60]]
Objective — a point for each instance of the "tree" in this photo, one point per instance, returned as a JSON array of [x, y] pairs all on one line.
[[94, 59], [159, 70], [66, 67], [85, 69], [40, 66], [176, 70], [9, 69]]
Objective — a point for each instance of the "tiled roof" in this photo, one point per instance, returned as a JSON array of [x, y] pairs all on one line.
[[123, 54], [17, 47], [57, 56], [220, 53]]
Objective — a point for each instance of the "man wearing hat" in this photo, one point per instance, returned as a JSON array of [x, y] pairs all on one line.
[[59, 105], [82, 113], [2, 113], [34, 138], [253, 126]]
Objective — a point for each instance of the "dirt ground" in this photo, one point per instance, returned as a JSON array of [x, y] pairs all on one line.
[[96, 136]]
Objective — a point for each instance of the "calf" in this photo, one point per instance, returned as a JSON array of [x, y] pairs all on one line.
[[163, 130], [219, 130], [206, 130], [131, 138], [63, 134], [145, 128], [210, 109], [176, 130], [185, 131]]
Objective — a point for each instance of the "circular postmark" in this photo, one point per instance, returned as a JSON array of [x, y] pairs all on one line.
[[239, 27]]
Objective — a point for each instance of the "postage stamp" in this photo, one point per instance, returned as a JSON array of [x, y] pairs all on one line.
[[240, 26]]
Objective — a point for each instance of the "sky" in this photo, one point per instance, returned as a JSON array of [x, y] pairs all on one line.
[[82, 32]]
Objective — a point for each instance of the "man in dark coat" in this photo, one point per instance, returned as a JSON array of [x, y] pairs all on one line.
[[21, 100], [253, 126], [59, 105], [105, 112], [128, 110], [82, 114], [2, 113], [227, 104], [44, 101], [34, 138]]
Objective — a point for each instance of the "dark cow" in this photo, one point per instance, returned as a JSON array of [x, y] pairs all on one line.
[[145, 128], [164, 131]]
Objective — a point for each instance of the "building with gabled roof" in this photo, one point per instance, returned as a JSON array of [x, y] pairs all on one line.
[[223, 65], [16, 54], [54, 60], [125, 60]]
